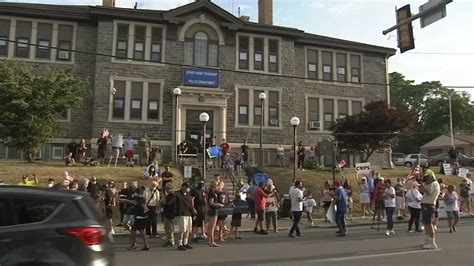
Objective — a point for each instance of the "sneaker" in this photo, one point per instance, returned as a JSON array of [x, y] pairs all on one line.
[[392, 232], [168, 245], [341, 234], [387, 233], [410, 231], [419, 230], [431, 245], [299, 235], [291, 235], [454, 229], [182, 248], [263, 232], [187, 246], [363, 217]]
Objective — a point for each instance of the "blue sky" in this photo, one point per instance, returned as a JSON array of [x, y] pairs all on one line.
[[444, 50]]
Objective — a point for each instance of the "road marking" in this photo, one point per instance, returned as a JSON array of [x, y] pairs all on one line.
[[376, 255]]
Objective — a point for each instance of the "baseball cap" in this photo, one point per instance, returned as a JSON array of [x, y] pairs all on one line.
[[186, 184], [381, 178]]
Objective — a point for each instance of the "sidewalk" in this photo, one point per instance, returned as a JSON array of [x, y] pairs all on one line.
[[284, 224]]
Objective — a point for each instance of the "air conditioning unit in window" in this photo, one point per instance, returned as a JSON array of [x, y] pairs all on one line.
[[274, 122], [63, 55], [314, 125]]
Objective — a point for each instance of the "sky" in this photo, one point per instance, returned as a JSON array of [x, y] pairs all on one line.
[[444, 50]]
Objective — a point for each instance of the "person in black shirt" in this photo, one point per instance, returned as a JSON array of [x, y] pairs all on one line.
[[301, 155], [94, 189], [199, 205], [185, 211], [212, 206], [139, 210], [244, 149], [168, 201], [102, 147], [72, 148]]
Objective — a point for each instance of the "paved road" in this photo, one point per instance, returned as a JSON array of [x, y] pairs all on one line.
[[362, 246]]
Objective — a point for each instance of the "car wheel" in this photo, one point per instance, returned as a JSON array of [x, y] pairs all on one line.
[[408, 164]]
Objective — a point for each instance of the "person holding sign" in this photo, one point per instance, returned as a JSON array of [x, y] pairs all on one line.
[[364, 194], [390, 204]]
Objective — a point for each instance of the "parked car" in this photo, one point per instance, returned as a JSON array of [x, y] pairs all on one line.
[[398, 158], [412, 159], [41, 226], [463, 160]]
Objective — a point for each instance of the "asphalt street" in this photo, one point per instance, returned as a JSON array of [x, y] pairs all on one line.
[[318, 246]]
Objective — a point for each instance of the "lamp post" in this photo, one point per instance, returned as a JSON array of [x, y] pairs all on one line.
[[294, 121], [450, 115], [262, 96], [204, 117], [177, 93]]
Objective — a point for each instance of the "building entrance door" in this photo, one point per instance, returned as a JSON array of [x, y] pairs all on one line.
[[194, 126]]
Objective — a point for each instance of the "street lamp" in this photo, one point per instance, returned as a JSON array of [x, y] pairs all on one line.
[[262, 96], [204, 117], [450, 116], [176, 93], [294, 121]]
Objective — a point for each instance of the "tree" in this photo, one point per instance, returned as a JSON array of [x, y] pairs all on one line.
[[30, 105], [375, 128]]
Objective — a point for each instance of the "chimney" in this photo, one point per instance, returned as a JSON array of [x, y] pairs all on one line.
[[265, 12], [245, 18], [108, 3]]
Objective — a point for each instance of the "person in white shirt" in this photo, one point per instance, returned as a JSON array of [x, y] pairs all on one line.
[[431, 190], [128, 146], [413, 198], [309, 205], [280, 155], [390, 204], [152, 200], [452, 208], [297, 198], [271, 208]]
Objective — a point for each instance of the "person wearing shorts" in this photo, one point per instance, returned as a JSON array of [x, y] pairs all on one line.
[[260, 203], [213, 206], [431, 190], [185, 212], [128, 146], [199, 205], [452, 209]]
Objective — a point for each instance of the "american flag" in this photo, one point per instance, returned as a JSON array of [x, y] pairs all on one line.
[[342, 164], [414, 173]]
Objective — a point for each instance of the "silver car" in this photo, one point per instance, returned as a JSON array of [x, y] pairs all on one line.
[[414, 159]]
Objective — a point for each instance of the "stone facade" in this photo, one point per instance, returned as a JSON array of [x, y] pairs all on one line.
[[96, 35]]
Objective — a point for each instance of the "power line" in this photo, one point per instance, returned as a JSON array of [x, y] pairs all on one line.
[[438, 53], [220, 69]]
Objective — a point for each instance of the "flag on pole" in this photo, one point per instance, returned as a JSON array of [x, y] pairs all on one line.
[[342, 164], [414, 173], [68, 176]]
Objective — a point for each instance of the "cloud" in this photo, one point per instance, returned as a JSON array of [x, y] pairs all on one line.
[[155, 4], [337, 7]]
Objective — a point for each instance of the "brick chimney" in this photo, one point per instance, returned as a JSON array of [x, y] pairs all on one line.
[[265, 12], [108, 3]]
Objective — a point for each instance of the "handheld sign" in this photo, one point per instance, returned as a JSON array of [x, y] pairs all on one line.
[[447, 169], [463, 172], [363, 168]]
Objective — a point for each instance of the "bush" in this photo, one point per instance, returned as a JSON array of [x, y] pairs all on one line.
[[312, 165]]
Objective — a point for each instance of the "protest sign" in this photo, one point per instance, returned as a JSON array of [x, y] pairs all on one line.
[[448, 170], [363, 168]]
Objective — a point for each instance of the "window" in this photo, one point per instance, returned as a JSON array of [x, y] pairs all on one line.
[[200, 49], [23, 35], [342, 109], [122, 42], [273, 108], [355, 68], [118, 110], [273, 55], [327, 65], [341, 60], [33, 211], [244, 52], [356, 107], [313, 114], [64, 115], [257, 108], [139, 43], [243, 107], [4, 36], [328, 107], [156, 35], [258, 53], [136, 100], [6, 217], [153, 101], [65, 33], [312, 60], [44, 35]]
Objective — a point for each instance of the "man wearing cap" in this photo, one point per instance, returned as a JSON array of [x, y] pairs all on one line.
[[152, 199], [431, 189], [185, 211]]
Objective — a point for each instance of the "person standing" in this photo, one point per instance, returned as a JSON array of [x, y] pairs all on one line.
[[199, 205], [94, 189], [128, 146], [117, 145], [364, 196], [296, 198], [271, 208], [431, 191], [212, 211], [72, 148], [82, 151], [168, 201], [225, 149], [251, 198], [400, 192], [145, 146], [185, 212], [413, 198], [244, 150], [260, 202], [341, 208], [280, 155], [166, 176], [102, 146], [390, 204], [110, 201], [326, 199], [452, 209], [309, 205], [301, 154], [139, 224], [152, 197]]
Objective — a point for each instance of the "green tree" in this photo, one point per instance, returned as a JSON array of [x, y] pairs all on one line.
[[30, 105], [375, 128]]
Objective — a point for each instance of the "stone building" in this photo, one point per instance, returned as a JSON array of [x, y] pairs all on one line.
[[134, 58]]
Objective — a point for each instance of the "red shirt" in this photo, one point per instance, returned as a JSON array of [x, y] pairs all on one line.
[[260, 199], [225, 148], [379, 190]]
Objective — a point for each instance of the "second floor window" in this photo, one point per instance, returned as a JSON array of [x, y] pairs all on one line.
[[243, 52], [156, 44], [273, 55], [65, 33], [44, 35], [258, 53], [23, 34], [355, 68], [327, 65], [4, 35], [122, 42], [312, 60], [139, 43], [200, 50]]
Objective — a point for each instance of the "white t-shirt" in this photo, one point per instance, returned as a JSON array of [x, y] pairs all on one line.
[[309, 204], [388, 200], [452, 202], [413, 198], [295, 194]]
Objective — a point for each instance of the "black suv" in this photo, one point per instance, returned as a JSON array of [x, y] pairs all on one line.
[[40, 226]]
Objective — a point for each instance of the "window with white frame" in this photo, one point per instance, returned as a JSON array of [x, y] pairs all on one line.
[[250, 111], [140, 41], [341, 62], [342, 109], [23, 38], [328, 113], [312, 61], [355, 69], [136, 100], [243, 52], [65, 37], [313, 114], [273, 55], [44, 37], [264, 53], [4, 35], [356, 107], [258, 44], [327, 65], [201, 50], [321, 113]]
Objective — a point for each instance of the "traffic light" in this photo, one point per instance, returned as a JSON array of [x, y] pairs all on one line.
[[406, 41]]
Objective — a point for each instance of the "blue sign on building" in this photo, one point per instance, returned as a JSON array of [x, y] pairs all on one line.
[[200, 77]]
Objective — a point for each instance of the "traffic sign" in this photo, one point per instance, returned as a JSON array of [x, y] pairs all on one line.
[[188, 172], [438, 12]]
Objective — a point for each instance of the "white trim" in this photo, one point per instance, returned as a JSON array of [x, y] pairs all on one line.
[[131, 42], [204, 20], [128, 89], [68, 117], [266, 39], [57, 148], [333, 67], [33, 40], [251, 107]]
